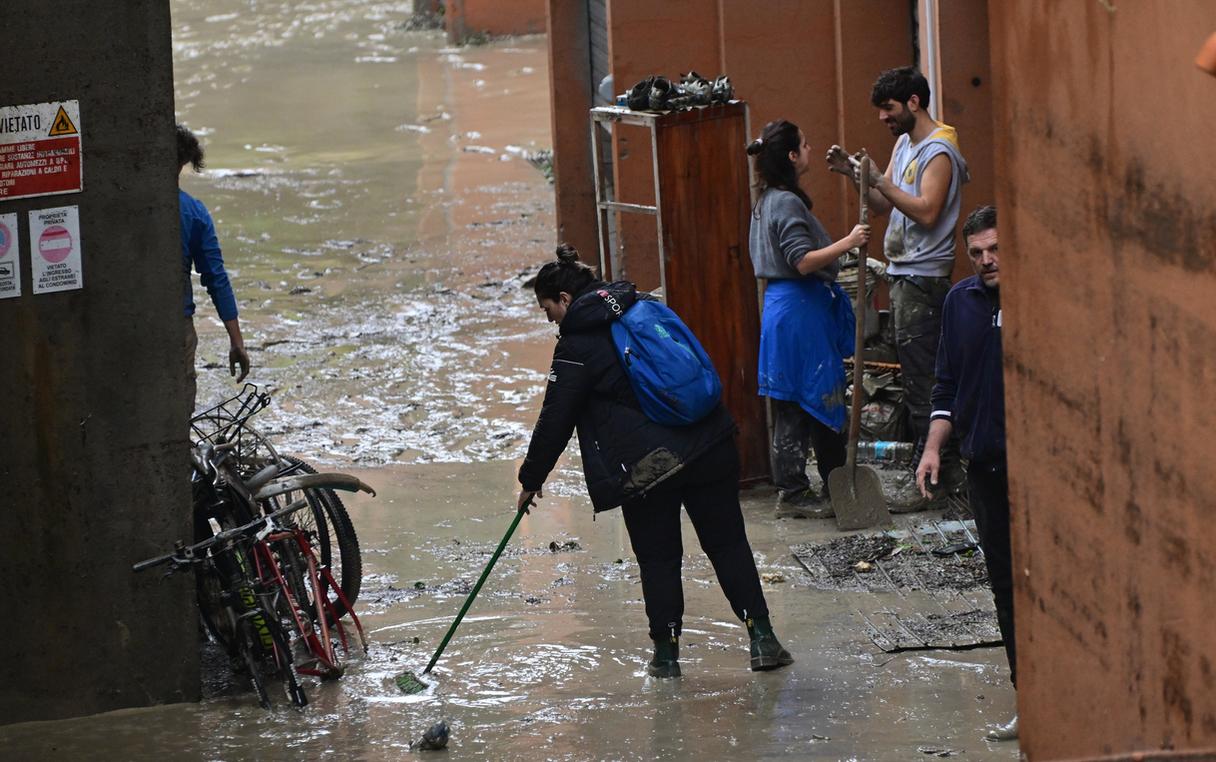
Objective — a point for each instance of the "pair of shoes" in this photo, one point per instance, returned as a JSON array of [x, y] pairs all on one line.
[[1006, 732], [665, 662], [767, 652], [803, 504]]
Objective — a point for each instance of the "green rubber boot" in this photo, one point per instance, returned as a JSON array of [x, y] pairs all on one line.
[[666, 655], [767, 652]]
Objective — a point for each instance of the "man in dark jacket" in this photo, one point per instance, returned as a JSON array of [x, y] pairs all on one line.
[[969, 399], [647, 469]]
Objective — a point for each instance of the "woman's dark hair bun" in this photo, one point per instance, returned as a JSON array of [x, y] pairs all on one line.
[[567, 253], [755, 147]]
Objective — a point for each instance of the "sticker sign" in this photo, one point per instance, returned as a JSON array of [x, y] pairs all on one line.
[[10, 257], [40, 150], [55, 249]]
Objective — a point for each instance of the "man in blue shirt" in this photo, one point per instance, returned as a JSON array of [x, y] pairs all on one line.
[[201, 250], [969, 400]]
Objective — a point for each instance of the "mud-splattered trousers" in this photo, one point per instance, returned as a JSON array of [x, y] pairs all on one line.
[[708, 488], [916, 308], [988, 481], [795, 433]]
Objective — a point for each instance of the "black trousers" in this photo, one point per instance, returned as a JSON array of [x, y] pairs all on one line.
[[989, 485], [708, 488], [795, 432]]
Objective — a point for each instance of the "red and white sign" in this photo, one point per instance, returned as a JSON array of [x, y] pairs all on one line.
[[40, 150], [55, 249], [10, 257]]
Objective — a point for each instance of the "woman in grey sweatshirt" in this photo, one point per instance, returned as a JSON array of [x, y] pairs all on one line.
[[807, 325]]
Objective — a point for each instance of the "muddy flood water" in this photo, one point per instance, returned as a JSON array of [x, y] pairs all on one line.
[[378, 218]]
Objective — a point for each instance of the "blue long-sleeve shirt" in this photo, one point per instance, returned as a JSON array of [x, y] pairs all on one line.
[[201, 249], [970, 390]]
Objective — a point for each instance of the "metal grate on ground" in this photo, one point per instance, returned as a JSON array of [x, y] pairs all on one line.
[[918, 600]]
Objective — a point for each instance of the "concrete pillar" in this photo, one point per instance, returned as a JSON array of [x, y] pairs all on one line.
[[93, 433]]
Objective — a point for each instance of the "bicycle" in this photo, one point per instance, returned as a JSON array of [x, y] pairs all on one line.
[[253, 458], [262, 592], [255, 635]]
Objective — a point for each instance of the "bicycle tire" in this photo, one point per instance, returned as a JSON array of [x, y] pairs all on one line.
[[254, 665], [333, 535], [209, 579]]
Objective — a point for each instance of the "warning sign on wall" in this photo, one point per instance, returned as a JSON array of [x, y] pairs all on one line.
[[10, 257], [55, 249], [40, 150]]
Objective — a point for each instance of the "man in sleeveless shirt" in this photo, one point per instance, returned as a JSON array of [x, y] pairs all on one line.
[[921, 190]]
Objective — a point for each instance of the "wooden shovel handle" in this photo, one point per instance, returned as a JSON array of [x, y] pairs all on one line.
[[859, 312]]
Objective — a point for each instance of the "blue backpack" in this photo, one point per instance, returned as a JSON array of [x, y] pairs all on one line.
[[671, 375]]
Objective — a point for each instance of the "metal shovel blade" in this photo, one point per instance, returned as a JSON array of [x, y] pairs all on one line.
[[857, 498]]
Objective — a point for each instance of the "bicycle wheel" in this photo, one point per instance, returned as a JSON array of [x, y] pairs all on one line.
[[217, 510], [330, 532]]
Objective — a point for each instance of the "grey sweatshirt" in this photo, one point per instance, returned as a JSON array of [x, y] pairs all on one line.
[[783, 231]]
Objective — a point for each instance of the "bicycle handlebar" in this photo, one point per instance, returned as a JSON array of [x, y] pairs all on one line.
[[184, 555]]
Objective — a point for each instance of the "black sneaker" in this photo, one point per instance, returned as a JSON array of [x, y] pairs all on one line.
[[660, 93], [638, 97]]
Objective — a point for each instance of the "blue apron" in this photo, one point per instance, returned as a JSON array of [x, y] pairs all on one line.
[[805, 332]]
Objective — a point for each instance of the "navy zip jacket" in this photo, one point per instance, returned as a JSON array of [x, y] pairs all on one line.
[[970, 390], [625, 454]]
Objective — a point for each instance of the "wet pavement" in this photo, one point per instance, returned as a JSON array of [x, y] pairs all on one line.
[[378, 220], [549, 662]]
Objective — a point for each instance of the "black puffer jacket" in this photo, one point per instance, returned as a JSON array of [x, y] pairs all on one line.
[[624, 452]]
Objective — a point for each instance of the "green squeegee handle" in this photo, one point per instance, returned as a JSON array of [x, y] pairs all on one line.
[[476, 588]]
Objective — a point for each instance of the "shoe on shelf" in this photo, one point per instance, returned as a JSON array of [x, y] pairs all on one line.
[[803, 504], [1006, 732], [665, 662], [767, 652]]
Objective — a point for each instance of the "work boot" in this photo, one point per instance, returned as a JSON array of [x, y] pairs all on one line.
[[1006, 732], [666, 655], [803, 504], [767, 653]]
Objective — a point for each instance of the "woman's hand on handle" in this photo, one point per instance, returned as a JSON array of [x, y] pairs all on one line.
[[525, 499], [859, 236]]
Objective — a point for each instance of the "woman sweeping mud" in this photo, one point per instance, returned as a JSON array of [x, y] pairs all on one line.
[[647, 469], [807, 324]]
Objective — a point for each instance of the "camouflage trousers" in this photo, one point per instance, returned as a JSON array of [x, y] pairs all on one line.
[[916, 310]]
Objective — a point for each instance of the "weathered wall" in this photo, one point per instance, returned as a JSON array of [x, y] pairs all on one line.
[[93, 426], [493, 17], [571, 98], [964, 96], [1107, 198], [817, 74]]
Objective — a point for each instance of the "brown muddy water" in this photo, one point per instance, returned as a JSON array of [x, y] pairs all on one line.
[[377, 220]]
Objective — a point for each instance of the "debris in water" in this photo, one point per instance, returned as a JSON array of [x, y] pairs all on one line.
[[863, 566], [408, 683], [434, 739], [420, 585], [300, 290], [619, 561], [557, 547], [937, 752], [532, 599], [772, 578]]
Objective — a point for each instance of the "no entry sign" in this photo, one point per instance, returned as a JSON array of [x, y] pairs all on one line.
[[40, 150], [55, 249]]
